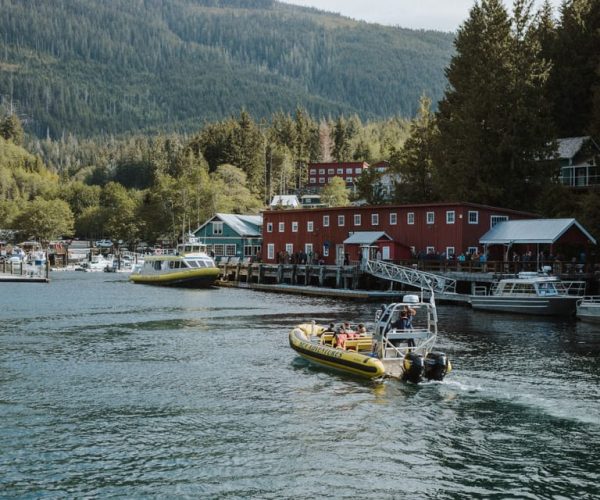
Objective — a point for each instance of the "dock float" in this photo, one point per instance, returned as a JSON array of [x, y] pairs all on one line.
[[17, 278]]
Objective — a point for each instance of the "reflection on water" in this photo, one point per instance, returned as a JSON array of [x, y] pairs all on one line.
[[109, 388]]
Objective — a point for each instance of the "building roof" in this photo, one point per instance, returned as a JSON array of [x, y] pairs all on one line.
[[568, 147], [365, 237], [285, 200], [530, 231], [244, 225]]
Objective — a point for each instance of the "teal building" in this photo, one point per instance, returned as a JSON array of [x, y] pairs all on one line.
[[232, 235]]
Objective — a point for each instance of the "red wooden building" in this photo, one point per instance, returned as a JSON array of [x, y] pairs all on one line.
[[397, 231], [319, 174]]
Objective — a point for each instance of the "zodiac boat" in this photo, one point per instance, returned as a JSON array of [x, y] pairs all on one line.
[[189, 266], [394, 349]]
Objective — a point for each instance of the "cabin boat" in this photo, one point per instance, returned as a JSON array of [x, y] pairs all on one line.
[[98, 263], [531, 293], [588, 308], [393, 349], [189, 265]]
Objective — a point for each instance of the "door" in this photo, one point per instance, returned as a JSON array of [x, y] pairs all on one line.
[[385, 253], [339, 255]]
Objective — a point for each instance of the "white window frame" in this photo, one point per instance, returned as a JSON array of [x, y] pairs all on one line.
[[358, 170], [217, 227], [294, 226], [349, 180], [430, 250], [270, 251], [410, 218], [308, 248], [450, 217], [330, 171], [430, 218], [473, 250], [326, 221], [341, 219], [325, 251], [219, 249], [313, 171], [349, 170], [375, 219], [473, 217], [357, 219], [340, 171], [289, 248], [495, 219], [281, 227], [321, 180], [450, 251], [310, 226], [231, 250], [321, 171], [313, 180], [269, 227], [393, 218]]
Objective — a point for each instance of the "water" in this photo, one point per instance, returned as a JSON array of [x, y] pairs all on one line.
[[109, 389]]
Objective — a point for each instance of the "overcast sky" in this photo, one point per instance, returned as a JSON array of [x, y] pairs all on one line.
[[443, 15]]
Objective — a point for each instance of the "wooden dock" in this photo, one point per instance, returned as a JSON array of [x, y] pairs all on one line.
[[18, 278]]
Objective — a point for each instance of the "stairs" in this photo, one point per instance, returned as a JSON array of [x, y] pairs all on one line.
[[410, 276]]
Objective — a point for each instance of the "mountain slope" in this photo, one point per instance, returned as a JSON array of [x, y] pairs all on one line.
[[110, 66]]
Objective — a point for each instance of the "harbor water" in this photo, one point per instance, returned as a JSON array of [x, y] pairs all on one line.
[[109, 389]]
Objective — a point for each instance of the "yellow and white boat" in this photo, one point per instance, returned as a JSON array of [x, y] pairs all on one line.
[[188, 266], [401, 345]]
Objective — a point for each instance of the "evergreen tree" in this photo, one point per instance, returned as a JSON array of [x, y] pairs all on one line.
[[335, 194], [11, 129]]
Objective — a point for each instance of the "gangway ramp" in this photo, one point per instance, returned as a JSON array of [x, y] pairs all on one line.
[[410, 276]]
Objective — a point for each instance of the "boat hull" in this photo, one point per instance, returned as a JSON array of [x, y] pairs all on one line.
[[192, 278], [545, 306], [589, 312], [349, 362]]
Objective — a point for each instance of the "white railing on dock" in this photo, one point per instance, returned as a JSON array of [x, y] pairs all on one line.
[[410, 276]]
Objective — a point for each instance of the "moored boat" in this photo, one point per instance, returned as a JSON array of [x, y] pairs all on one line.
[[189, 265], [588, 308], [531, 293], [400, 346]]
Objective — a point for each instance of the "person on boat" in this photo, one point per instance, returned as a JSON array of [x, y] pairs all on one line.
[[340, 337], [362, 330], [410, 314], [330, 328], [402, 322], [351, 334]]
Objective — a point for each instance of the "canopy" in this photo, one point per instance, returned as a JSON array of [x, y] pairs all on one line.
[[515, 232], [366, 237]]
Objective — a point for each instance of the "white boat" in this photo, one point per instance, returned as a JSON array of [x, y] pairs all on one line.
[[531, 293], [189, 265], [397, 348], [588, 308], [98, 263]]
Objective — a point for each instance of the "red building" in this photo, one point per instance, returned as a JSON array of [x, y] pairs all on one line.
[[319, 174], [397, 231]]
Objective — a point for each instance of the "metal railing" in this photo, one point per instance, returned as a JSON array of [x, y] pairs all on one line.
[[410, 276]]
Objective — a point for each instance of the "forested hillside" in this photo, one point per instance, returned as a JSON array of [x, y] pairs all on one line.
[[109, 66]]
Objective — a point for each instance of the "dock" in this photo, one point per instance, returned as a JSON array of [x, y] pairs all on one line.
[[17, 278]]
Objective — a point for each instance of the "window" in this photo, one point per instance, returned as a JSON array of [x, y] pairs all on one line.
[[294, 227], [269, 227], [325, 251], [217, 227], [374, 219], [473, 217], [472, 250], [340, 171], [248, 251], [449, 251], [410, 218], [393, 218], [321, 171], [330, 171], [349, 180], [289, 248], [357, 219], [313, 180], [430, 250], [308, 248], [321, 180], [309, 226], [495, 219], [313, 171], [430, 217], [349, 170], [282, 227], [450, 216], [219, 250], [326, 221], [230, 250], [341, 220], [271, 251], [358, 170]]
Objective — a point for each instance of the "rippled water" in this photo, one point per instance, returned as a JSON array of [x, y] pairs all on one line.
[[114, 389]]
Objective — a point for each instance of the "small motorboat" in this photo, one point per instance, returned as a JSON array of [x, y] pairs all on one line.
[[400, 346], [588, 308]]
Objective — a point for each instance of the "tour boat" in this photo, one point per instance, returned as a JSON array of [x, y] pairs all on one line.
[[588, 308], [397, 350], [189, 265], [531, 293]]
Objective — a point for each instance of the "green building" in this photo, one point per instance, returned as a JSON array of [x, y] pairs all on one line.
[[232, 235]]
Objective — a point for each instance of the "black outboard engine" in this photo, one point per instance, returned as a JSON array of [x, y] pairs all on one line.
[[413, 367], [436, 366]]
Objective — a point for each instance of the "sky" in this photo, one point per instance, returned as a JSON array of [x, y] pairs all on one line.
[[442, 15]]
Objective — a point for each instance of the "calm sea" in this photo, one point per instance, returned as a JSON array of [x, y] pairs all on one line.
[[109, 389]]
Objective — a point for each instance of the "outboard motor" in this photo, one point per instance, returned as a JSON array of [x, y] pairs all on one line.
[[413, 367], [436, 366]]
